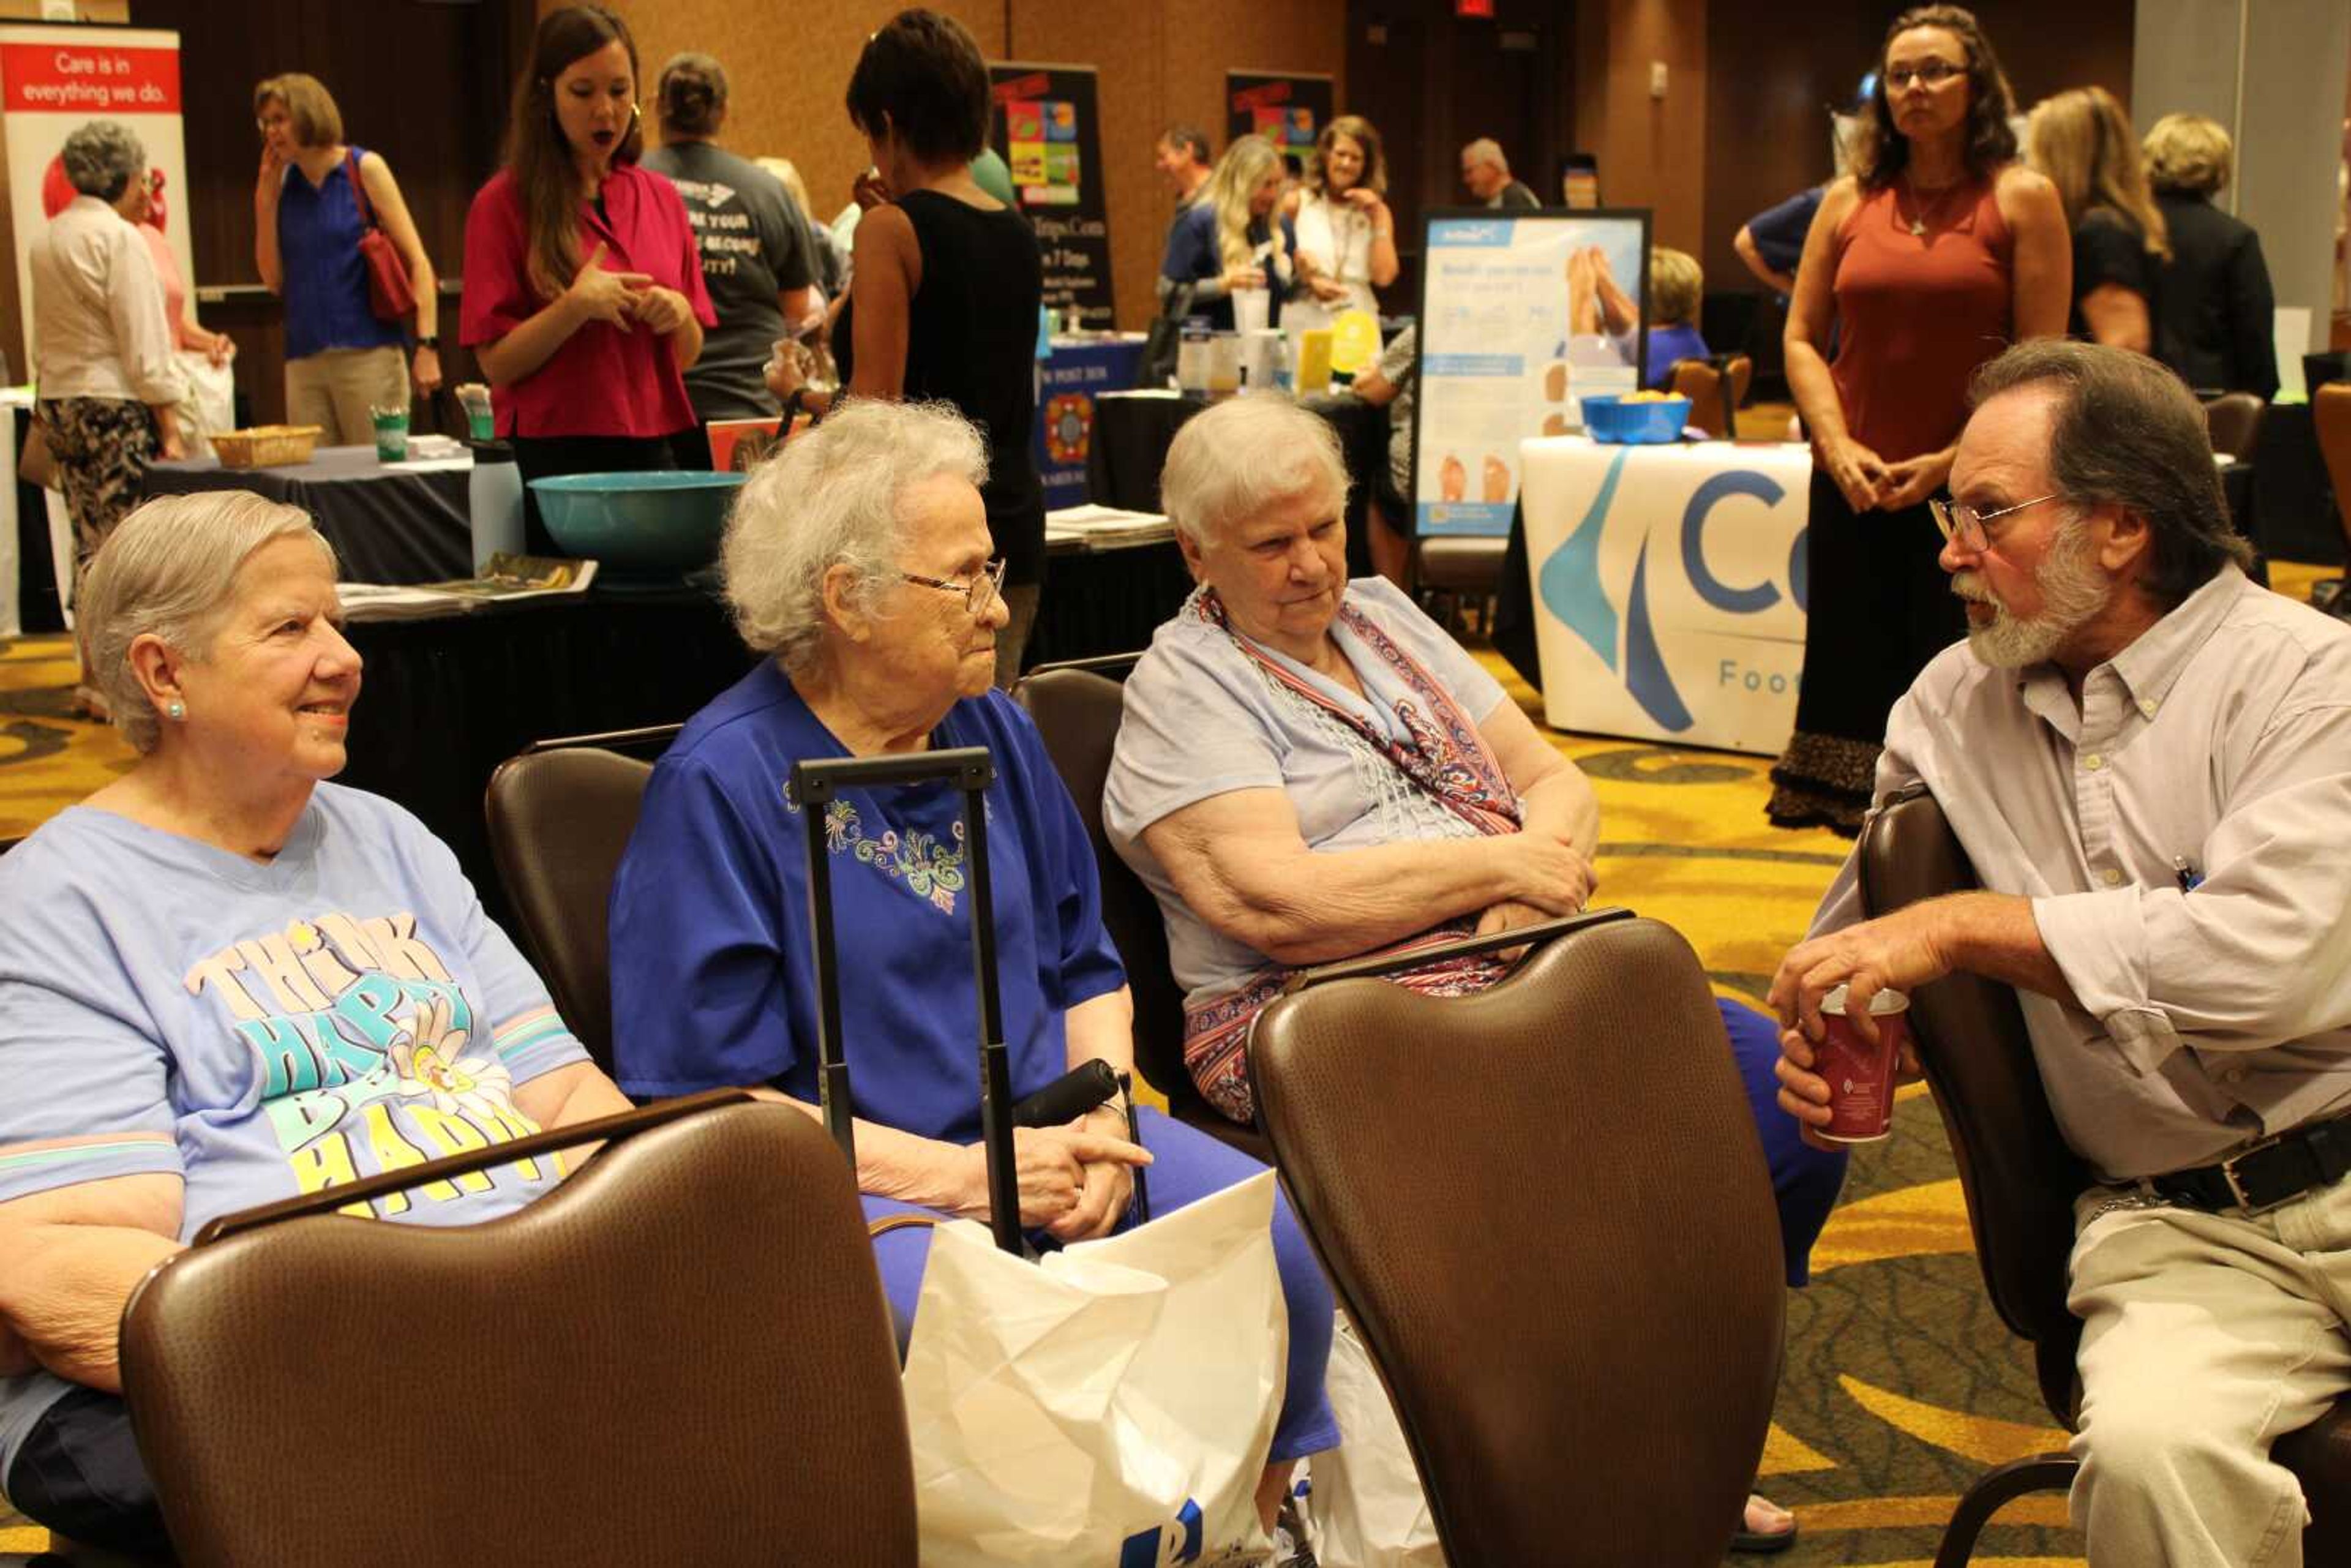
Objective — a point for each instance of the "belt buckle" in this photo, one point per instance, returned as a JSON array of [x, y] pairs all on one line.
[[2236, 1188]]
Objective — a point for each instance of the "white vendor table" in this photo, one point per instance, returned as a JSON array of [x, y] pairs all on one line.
[[1668, 587]]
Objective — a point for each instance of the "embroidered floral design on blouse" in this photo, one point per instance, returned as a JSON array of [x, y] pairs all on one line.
[[929, 869]]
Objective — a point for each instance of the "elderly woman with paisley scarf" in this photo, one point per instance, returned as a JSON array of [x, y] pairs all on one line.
[[1309, 768]]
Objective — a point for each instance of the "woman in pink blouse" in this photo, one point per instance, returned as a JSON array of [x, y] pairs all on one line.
[[583, 287]]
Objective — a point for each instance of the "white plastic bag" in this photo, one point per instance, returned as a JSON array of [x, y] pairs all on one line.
[[1111, 1406], [1365, 1507]]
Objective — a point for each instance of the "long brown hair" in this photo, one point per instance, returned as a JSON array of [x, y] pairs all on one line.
[[546, 180], [2082, 139], [1880, 153], [1365, 134]]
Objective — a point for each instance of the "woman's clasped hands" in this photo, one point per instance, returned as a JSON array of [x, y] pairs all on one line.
[[618, 298]]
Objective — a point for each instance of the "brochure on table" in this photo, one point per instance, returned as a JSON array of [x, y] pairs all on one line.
[[1521, 316]]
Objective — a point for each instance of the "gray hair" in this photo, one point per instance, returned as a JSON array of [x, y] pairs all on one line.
[[2127, 431], [1486, 150], [834, 496], [168, 571], [1228, 463], [101, 158]]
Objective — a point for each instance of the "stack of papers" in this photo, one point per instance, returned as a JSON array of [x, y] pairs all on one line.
[[1107, 528], [507, 578]]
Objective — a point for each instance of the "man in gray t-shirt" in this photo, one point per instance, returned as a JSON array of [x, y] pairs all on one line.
[[756, 262]]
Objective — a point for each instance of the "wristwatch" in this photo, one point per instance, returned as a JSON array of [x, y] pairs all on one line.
[[433, 342]]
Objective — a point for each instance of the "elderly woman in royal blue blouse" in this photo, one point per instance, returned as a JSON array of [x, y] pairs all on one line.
[[1309, 769], [857, 560], [225, 981]]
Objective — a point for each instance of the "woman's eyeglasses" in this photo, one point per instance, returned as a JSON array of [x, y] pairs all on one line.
[[979, 593], [1934, 73]]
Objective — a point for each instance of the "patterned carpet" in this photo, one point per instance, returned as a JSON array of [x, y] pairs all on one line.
[[1901, 1384]]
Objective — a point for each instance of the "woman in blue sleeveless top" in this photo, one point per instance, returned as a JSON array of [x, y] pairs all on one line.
[[341, 359]]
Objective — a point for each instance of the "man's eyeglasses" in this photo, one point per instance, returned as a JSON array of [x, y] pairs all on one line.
[[1965, 525], [979, 593], [1934, 73]]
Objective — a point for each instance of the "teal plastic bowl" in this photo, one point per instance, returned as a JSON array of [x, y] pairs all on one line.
[[654, 526], [1608, 417]]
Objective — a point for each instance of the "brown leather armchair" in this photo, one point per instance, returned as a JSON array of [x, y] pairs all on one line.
[[560, 814], [2235, 421], [2020, 1180], [1077, 708], [1546, 1210], [685, 1347], [1715, 388]]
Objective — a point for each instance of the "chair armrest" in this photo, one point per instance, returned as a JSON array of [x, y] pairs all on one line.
[[1533, 936]]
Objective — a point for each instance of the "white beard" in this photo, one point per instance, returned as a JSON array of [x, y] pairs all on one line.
[[2072, 592]]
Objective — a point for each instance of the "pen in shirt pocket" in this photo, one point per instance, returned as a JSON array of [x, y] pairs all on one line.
[[2188, 876]]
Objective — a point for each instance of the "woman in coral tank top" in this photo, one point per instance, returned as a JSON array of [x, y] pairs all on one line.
[[1935, 252]]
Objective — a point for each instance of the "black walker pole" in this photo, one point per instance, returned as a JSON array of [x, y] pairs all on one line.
[[812, 786]]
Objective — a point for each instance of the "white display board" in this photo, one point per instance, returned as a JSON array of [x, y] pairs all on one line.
[[53, 80], [1669, 588], [1521, 314]]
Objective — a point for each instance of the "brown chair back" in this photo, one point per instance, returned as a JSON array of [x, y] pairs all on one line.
[[1546, 1209], [683, 1351], [2019, 1176], [2234, 420], [1077, 713], [1714, 395], [2330, 414], [559, 822]]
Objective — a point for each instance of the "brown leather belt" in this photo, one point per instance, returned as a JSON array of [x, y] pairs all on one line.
[[2260, 1177]]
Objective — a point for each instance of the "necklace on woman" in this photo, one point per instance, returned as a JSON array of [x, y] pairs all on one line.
[[1921, 214]]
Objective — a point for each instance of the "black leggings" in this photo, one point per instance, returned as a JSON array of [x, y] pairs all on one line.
[[79, 1474]]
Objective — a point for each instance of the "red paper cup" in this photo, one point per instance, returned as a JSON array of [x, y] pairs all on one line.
[[1860, 1075]]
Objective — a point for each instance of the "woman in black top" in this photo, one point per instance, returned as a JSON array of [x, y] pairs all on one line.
[[2081, 139], [2214, 327], [945, 285]]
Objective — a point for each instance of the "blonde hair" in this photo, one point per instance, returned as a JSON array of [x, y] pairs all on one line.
[[2081, 139], [2188, 153], [1240, 172], [309, 108], [1677, 285], [787, 175], [169, 570]]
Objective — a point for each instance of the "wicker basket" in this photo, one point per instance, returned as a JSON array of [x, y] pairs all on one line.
[[266, 445]]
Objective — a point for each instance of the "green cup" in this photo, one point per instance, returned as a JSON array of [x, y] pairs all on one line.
[[391, 433], [478, 421]]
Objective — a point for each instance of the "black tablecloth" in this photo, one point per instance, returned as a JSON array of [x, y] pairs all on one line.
[[1106, 601], [387, 525], [443, 701], [36, 573], [2295, 514], [1130, 436]]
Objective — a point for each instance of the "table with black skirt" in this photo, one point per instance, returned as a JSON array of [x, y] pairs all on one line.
[[396, 523], [1132, 432]]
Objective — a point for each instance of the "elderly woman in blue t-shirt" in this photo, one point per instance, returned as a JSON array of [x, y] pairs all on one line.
[[1310, 769], [225, 981], [858, 562]]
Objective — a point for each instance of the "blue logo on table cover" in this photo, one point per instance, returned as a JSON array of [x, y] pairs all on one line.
[[1164, 1546], [1571, 588]]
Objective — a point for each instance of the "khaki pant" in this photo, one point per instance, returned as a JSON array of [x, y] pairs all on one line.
[[335, 388], [2206, 1337]]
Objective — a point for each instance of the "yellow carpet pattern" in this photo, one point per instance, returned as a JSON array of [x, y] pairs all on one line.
[[1900, 1385]]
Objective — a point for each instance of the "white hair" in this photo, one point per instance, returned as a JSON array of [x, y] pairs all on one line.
[[1486, 150], [168, 571], [1227, 464], [833, 496]]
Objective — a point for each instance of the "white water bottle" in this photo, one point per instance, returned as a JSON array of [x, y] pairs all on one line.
[[494, 499]]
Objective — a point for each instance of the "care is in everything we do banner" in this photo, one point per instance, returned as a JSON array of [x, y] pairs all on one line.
[[53, 80]]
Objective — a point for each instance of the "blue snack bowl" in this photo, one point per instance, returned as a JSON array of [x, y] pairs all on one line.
[[1608, 417], [654, 526]]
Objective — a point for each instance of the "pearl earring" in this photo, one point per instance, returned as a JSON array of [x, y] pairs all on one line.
[[176, 709]]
